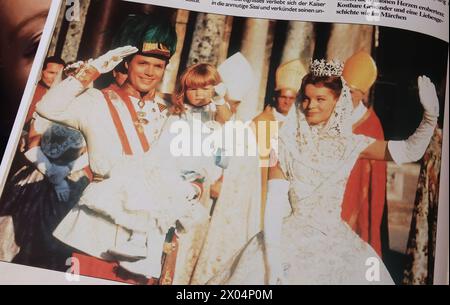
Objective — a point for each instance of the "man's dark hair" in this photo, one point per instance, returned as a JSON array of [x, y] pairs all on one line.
[[53, 60]]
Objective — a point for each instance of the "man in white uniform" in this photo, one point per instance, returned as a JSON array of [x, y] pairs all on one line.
[[117, 122]]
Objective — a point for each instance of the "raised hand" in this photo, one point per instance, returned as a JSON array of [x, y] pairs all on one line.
[[111, 59], [413, 148], [428, 97]]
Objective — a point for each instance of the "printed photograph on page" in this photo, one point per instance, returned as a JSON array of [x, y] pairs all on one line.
[[165, 146]]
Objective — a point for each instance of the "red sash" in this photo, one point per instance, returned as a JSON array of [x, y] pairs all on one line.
[[94, 267], [118, 123]]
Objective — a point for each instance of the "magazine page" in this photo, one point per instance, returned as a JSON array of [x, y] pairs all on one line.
[[224, 142]]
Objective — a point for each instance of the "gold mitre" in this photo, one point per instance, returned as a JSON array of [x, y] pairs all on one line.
[[155, 48], [360, 71], [290, 75]]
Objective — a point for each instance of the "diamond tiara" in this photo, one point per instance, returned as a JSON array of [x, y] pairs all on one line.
[[323, 68]]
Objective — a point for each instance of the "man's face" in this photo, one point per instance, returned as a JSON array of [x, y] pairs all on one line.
[[22, 23], [285, 100], [119, 77], [145, 73], [50, 72]]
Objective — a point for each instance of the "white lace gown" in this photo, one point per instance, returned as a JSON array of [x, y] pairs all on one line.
[[317, 246]]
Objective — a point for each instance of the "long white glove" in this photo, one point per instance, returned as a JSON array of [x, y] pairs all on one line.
[[414, 147], [277, 207], [108, 61]]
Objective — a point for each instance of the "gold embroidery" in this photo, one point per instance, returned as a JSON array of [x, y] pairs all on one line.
[[87, 74], [162, 107], [155, 48]]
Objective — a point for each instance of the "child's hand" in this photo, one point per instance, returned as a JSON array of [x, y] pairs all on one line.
[[220, 90]]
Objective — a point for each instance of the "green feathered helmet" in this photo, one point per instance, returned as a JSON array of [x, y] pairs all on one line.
[[152, 36]]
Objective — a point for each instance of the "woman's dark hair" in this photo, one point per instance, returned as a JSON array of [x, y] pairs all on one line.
[[334, 83]]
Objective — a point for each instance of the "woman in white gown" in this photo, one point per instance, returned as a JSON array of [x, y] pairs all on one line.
[[304, 240]]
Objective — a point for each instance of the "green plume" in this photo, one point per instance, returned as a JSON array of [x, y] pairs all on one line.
[[138, 29]]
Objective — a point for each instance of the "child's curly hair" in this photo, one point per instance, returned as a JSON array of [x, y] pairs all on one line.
[[196, 76]]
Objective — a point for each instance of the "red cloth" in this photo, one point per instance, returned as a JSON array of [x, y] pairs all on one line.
[[39, 93], [365, 193], [94, 267]]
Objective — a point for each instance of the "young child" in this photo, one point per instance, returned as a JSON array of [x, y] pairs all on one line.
[[200, 90], [200, 94]]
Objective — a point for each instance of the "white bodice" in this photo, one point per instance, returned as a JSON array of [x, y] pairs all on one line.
[[316, 185]]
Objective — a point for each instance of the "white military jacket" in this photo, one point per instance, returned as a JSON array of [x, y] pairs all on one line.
[[88, 111]]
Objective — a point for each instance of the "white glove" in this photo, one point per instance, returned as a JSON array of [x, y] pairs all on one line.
[[428, 97], [62, 191], [54, 173], [414, 147], [111, 59], [277, 207], [219, 98], [220, 91]]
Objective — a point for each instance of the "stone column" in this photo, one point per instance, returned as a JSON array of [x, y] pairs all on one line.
[[207, 39], [57, 30], [347, 39], [300, 42], [75, 32], [256, 46], [223, 52], [170, 75]]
